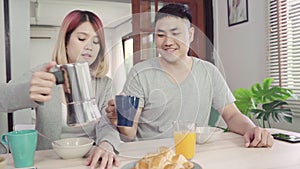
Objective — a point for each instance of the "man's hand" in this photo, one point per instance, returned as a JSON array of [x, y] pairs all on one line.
[[258, 137], [111, 112], [41, 84], [103, 157]]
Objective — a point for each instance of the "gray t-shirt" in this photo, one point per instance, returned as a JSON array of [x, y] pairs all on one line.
[[164, 100]]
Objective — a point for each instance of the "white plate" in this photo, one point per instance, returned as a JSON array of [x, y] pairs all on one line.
[[132, 165]]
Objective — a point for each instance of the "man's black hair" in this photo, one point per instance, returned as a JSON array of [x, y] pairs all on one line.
[[174, 9]]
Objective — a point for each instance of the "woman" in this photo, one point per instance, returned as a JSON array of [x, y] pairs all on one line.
[[81, 39]]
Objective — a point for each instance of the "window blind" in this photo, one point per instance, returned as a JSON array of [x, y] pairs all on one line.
[[284, 47]]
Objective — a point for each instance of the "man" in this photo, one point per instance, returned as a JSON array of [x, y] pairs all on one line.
[[177, 86], [27, 93]]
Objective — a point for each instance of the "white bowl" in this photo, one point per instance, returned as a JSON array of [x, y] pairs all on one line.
[[204, 134], [69, 148]]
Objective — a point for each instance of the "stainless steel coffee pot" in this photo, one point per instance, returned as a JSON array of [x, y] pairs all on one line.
[[81, 103]]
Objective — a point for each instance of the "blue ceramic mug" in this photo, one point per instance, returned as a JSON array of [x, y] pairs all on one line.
[[126, 107], [22, 145]]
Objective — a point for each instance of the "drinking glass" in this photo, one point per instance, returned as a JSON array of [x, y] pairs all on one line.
[[185, 138]]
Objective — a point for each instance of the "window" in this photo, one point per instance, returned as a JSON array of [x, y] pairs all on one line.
[[284, 46], [127, 43]]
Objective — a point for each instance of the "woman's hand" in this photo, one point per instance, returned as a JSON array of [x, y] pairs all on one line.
[[103, 157], [42, 83]]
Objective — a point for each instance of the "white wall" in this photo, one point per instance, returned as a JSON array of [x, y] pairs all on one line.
[[3, 116], [42, 41], [111, 12], [19, 34], [242, 49], [45, 23]]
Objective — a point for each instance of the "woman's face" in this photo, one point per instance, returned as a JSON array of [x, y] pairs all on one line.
[[84, 44]]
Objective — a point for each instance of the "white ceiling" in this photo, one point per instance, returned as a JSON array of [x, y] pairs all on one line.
[[52, 12]]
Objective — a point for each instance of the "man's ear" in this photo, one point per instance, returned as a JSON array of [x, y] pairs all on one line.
[[191, 34]]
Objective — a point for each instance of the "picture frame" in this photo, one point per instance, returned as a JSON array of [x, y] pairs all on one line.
[[237, 12]]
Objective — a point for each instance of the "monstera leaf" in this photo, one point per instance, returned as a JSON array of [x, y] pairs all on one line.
[[244, 101], [274, 110], [264, 101], [265, 93]]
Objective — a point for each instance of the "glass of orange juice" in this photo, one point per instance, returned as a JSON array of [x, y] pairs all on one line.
[[185, 138]]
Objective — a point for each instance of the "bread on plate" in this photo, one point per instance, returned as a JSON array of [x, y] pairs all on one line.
[[165, 158]]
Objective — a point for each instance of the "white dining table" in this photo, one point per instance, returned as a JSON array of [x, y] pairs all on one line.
[[222, 151]]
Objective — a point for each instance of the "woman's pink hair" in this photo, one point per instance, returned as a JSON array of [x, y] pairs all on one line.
[[74, 19]]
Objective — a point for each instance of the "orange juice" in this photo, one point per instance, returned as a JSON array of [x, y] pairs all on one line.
[[185, 142]]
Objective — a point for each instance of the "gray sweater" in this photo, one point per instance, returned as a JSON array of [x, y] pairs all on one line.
[[12, 93]]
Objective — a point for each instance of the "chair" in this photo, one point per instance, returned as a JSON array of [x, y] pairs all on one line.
[[215, 120], [214, 116]]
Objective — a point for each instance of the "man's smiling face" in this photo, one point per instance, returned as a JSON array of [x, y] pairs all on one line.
[[173, 36]]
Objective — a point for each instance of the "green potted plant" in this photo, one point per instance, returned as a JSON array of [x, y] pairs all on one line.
[[264, 101]]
